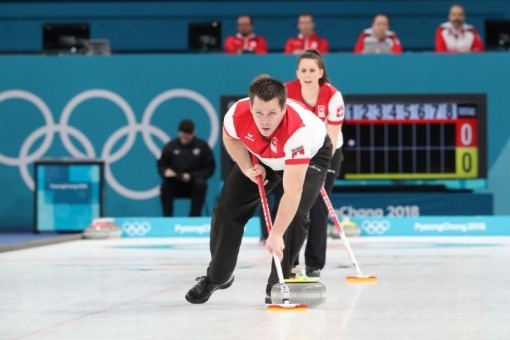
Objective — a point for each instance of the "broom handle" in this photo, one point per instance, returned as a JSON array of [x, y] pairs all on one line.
[[267, 216], [269, 224], [338, 227]]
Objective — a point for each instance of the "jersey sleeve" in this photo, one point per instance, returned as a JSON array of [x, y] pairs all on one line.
[[298, 149], [323, 46], [288, 47], [336, 109], [440, 44], [230, 46], [397, 46], [477, 42], [358, 48], [261, 46]]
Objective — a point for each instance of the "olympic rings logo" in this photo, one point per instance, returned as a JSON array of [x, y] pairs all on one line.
[[375, 227], [136, 229], [129, 131]]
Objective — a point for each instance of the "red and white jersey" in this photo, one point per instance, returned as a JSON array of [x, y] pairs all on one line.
[[296, 140], [329, 107], [369, 43], [251, 44], [467, 39], [301, 43]]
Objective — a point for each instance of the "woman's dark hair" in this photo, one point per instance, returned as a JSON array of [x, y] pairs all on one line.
[[315, 55]]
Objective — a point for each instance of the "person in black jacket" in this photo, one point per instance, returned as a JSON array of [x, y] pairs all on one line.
[[184, 166]]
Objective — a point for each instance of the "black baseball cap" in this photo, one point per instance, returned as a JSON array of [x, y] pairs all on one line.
[[186, 126]]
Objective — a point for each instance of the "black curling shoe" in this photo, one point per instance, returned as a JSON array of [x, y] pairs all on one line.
[[203, 290], [313, 272]]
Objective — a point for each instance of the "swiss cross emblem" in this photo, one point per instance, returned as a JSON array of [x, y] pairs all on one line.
[[321, 111], [340, 112], [274, 143]]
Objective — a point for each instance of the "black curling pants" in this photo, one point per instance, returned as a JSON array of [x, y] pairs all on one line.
[[237, 203], [315, 251], [196, 190]]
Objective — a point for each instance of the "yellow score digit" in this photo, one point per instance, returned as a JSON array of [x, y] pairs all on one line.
[[466, 161]]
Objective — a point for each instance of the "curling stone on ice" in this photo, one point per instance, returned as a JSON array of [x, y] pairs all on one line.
[[303, 290], [350, 228], [102, 228]]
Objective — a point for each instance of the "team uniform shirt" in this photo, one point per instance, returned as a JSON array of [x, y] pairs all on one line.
[[296, 140], [369, 43], [466, 39], [250, 44], [301, 43], [329, 107]]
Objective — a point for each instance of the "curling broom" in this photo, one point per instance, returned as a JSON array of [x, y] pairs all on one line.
[[359, 277], [284, 289]]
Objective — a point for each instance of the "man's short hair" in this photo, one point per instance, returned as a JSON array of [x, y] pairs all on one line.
[[267, 88], [186, 126]]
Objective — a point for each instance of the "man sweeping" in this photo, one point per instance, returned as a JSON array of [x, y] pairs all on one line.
[[292, 147]]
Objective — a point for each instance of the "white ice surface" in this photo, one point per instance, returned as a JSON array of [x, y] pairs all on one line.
[[428, 288]]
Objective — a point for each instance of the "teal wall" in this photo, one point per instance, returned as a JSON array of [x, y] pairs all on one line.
[[162, 25], [193, 84]]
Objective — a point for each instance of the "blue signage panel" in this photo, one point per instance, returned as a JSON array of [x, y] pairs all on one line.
[[68, 194], [175, 226], [435, 226], [137, 227], [412, 204], [85, 114]]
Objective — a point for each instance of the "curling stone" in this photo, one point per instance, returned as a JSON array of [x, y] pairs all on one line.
[[102, 228], [303, 290]]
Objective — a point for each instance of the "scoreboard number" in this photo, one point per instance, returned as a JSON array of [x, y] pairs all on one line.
[[466, 159], [400, 111], [466, 134]]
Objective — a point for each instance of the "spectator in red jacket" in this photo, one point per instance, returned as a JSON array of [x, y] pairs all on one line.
[[378, 38], [455, 36], [306, 39], [245, 41]]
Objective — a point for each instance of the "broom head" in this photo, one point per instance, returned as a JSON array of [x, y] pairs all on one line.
[[286, 307], [361, 279]]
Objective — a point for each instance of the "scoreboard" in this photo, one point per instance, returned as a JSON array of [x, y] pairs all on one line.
[[415, 137], [438, 137]]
